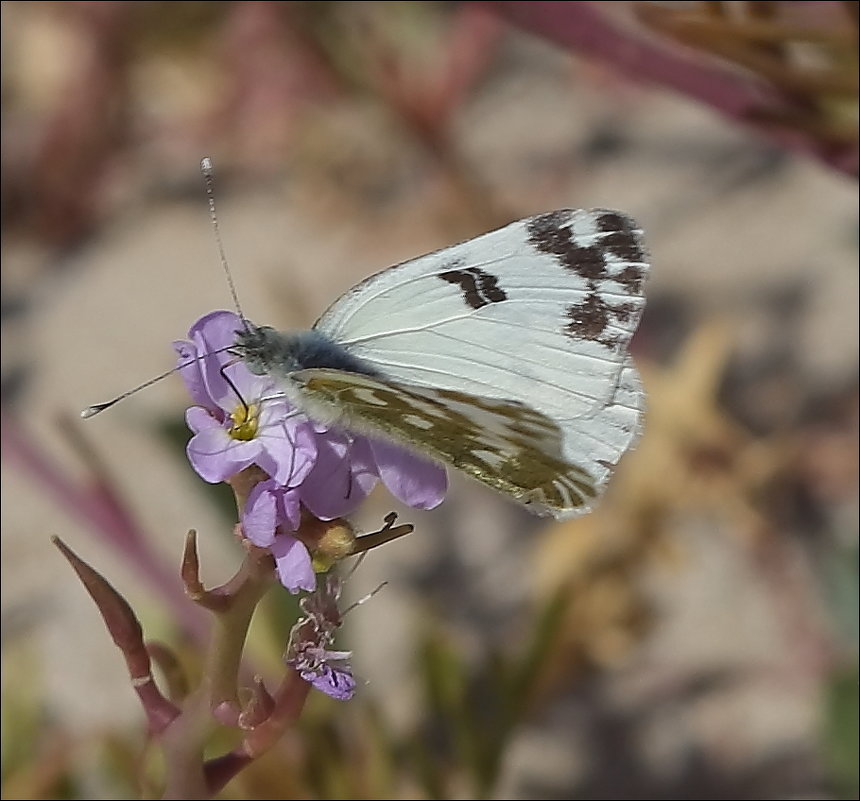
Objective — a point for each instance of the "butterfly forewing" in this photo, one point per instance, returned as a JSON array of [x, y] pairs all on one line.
[[505, 445], [538, 313]]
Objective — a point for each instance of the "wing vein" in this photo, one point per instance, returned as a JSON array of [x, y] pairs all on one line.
[[473, 362], [457, 318]]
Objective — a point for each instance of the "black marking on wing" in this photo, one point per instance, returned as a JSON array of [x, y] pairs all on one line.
[[590, 318], [479, 287], [550, 234], [623, 242]]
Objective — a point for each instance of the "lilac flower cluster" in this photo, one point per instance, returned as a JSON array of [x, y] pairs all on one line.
[[240, 419], [309, 648]]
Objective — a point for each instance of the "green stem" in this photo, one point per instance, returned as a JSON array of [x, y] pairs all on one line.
[[230, 629], [182, 744], [184, 741]]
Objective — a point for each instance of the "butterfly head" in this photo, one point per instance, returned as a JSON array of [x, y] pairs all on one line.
[[264, 350]]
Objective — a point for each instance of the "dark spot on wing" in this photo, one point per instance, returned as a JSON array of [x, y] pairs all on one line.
[[548, 234], [588, 320], [488, 285], [467, 285], [610, 221], [623, 312], [479, 288], [623, 240], [585, 261], [624, 245], [631, 277], [613, 253], [544, 225]]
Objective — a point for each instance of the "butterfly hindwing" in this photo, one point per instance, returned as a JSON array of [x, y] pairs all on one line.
[[505, 445]]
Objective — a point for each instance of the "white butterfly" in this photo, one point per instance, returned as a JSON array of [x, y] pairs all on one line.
[[504, 356]]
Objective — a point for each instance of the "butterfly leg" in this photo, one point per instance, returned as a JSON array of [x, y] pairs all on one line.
[[349, 443], [293, 413], [223, 370]]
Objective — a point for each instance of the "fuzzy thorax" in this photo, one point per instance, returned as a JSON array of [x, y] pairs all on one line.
[[266, 351], [281, 355]]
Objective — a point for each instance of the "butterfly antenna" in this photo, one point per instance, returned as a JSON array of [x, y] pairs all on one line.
[[208, 170], [97, 408]]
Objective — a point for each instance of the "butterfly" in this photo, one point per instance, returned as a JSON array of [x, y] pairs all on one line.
[[505, 356]]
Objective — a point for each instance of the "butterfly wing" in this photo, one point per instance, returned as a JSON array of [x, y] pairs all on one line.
[[503, 444], [538, 313]]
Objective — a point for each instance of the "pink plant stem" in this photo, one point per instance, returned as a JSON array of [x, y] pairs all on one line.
[[289, 700], [126, 632], [585, 29]]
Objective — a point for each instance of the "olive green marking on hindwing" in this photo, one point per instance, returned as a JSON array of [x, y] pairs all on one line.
[[506, 445]]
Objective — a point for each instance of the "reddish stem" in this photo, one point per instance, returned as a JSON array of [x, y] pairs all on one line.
[[127, 634], [289, 700], [582, 27]]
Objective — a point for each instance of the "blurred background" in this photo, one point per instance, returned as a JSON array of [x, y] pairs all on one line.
[[696, 636]]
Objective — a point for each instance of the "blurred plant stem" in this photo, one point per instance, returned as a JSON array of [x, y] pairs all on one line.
[[99, 506], [787, 104], [184, 729], [480, 708], [183, 726]]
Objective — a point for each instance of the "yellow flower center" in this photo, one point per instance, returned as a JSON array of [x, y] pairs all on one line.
[[245, 419]]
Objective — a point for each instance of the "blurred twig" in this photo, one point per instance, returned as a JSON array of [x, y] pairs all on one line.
[[771, 93], [100, 507], [72, 150]]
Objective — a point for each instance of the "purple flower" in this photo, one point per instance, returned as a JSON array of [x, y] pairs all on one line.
[[327, 670], [347, 468], [309, 651], [234, 427], [240, 419], [269, 511], [338, 682]]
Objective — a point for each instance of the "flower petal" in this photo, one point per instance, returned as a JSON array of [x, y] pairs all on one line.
[[338, 682], [417, 482], [216, 457], [192, 372], [288, 451], [290, 509], [343, 476], [215, 330], [259, 518], [199, 419], [293, 563]]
